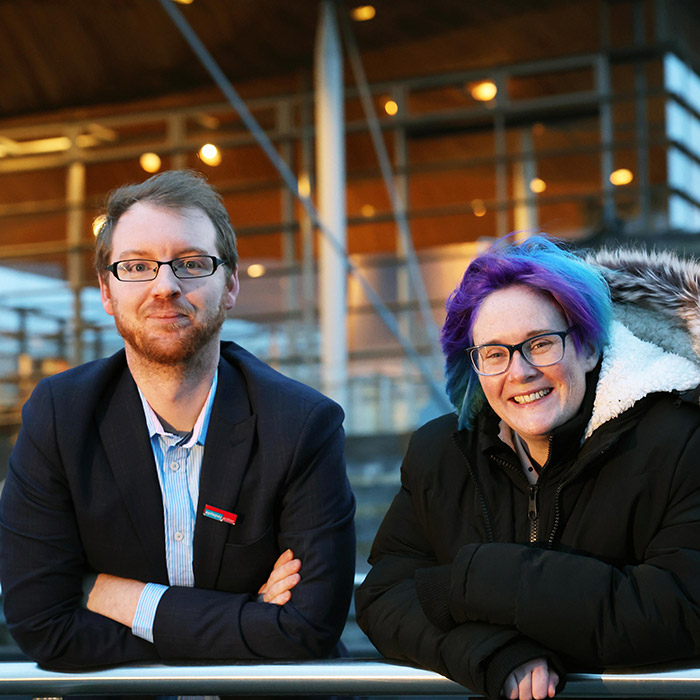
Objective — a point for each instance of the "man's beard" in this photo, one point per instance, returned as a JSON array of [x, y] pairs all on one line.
[[163, 350]]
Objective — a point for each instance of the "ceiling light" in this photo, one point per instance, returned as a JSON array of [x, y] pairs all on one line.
[[256, 270], [537, 185], [621, 176], [391, 108], [484, 91], [150, 162], [210, 154], [362, 13], [55, 144], [184, 2], [478, 207], [368, 211], [304, 185]]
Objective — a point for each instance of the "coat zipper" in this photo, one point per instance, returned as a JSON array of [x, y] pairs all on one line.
[[532, 513], [480, 493]]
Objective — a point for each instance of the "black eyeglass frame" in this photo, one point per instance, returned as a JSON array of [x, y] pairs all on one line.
[[217, 262], [519, 347]]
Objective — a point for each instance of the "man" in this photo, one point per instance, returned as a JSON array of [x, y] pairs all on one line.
[[197, 497]]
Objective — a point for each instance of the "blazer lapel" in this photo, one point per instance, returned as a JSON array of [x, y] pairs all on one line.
[[123, 432], [226, 456]]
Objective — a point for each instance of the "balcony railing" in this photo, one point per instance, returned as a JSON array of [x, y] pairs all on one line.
[[338, 677]]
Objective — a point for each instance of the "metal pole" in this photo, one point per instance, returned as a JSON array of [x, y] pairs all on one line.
[[330, 169], [379, 677]]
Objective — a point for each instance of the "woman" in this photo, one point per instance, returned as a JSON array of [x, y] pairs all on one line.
[[553, 521]]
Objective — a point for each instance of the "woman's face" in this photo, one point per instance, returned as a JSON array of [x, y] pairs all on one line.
[[531, 400]]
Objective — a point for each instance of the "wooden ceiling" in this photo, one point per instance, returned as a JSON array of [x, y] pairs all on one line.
[[60, 55]]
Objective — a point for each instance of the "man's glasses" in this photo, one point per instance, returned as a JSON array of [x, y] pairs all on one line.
[[540, 351], [189, 267]]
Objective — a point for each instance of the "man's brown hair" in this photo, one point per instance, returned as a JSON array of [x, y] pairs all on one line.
[[172, 189]]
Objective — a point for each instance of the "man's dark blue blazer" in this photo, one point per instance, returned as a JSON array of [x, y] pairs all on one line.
[[82, 496]]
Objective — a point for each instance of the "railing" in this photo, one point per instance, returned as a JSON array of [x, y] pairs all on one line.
[[341, 677]]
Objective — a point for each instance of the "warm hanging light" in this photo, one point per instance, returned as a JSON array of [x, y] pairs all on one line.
[[478, 207], [537, 185], [256, 270], [304, 185], [184, 2], [210, 154], [484, 91], [362, 13], [150, 162], [391, 108], [621, 176], [368, 211]]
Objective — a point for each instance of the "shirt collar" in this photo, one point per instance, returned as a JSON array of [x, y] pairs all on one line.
[[199, 432]]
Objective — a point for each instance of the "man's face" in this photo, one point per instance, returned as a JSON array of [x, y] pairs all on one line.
[[167, 320]]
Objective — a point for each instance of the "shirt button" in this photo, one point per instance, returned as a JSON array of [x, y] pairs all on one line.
[[174, 466], [178, 536]]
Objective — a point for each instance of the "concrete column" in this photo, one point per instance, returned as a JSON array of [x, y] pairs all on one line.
[[330, 171], [641, 122], [311, 373], [524, 171], [400, 410], [291, 326], [176, 139], [75, 198], [607, 160], [499, 136]]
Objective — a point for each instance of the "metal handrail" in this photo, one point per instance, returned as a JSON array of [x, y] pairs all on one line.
[[336, 677]]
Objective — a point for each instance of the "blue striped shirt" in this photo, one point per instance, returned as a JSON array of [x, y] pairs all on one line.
[[178, 464]]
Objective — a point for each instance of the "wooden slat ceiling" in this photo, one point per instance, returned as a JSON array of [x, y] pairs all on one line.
[[68, 54]]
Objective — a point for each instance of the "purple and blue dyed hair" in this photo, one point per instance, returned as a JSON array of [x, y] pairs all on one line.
[[541, 264]]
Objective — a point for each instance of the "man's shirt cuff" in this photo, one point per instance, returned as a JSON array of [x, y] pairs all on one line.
[[146, 610]]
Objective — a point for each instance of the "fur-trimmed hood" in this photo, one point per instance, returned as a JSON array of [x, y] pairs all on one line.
[[655, 340]]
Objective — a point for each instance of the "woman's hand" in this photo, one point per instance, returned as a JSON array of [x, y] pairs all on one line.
[[533, 679], [277, 590]]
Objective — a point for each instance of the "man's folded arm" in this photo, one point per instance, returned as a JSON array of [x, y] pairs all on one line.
[[43, 566], [316, 523]]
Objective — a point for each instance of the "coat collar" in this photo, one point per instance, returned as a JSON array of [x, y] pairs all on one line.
[[124, 435], [632, 369]]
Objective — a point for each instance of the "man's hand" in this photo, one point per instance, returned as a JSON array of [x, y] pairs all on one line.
[[277, 590], [115, 597], [533, 679]]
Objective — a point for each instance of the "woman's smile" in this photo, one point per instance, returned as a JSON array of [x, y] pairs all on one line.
[[530, 400]]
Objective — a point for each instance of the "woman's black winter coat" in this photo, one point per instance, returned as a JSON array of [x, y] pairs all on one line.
[[611, 579]]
